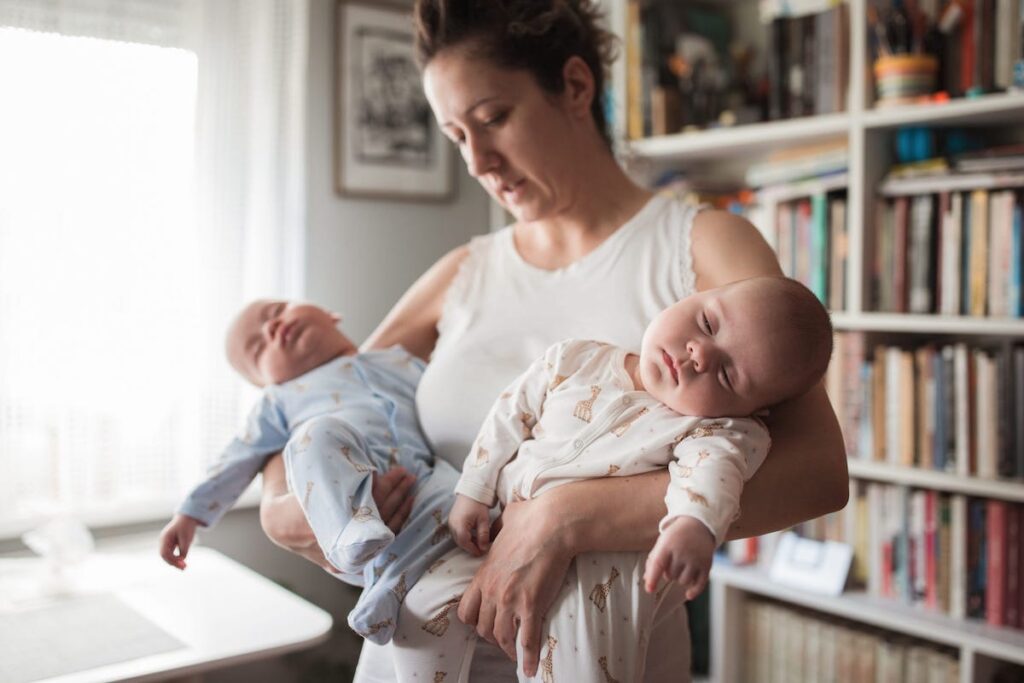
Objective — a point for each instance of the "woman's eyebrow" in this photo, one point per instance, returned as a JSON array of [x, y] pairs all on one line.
[[470, 108]]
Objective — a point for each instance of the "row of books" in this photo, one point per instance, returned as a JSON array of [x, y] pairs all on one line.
[[808, 63], [958, 555], [977, 43], [953, 408], [954, 253], [792, 646], [811, 243]]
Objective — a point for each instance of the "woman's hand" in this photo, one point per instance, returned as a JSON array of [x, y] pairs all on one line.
[[517, 583]]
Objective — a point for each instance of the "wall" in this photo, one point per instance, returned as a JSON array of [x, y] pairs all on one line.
[[363, 254]]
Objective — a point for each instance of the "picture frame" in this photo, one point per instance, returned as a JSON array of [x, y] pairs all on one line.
[[386, 143]]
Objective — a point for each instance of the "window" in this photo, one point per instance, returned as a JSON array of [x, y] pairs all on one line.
[[128, 236]]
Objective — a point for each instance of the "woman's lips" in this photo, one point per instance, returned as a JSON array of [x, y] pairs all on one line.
[[671, 366]]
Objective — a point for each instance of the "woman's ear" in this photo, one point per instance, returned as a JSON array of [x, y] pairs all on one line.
[[579, 86], [336, 317]]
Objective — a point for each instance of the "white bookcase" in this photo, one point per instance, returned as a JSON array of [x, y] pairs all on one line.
[[868, 133]]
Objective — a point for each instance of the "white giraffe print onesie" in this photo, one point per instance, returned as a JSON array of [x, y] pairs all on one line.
[[574, 414]]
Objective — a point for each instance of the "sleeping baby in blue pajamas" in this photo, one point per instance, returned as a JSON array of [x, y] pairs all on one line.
[[339, 415]]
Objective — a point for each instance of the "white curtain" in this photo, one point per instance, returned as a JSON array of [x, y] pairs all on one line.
[[151, 181]]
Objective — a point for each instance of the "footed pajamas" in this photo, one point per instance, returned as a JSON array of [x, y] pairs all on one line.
[[337, 424], [574, 414]]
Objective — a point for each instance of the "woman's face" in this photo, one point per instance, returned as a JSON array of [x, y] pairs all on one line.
[[515, 139]]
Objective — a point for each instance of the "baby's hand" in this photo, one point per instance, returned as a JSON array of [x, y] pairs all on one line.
[[177, 535], [471, 525], [683, 554]]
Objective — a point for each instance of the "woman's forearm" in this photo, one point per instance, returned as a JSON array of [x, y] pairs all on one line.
[[804, 475], [610, 514]]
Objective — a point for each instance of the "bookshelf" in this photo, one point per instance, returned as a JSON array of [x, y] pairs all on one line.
[[868, 134]]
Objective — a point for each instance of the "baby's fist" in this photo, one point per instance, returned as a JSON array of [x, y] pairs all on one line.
[[177, 535], [470, 523], [682, 554]]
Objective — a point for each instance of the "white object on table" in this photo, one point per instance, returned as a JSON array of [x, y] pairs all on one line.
[[216, 613]]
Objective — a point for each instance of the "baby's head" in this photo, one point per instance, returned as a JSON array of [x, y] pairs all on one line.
[[271, 342], [737, 349]]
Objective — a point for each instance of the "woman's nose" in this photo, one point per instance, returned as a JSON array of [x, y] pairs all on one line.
[[479, 156]]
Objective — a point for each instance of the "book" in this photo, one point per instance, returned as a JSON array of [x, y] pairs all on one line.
[[901, 228], [921, 255], [979, 252], [819, 243], [977, 556], [1012, 607], [952, 204], [995, 566], [839, 254], [958, 553]]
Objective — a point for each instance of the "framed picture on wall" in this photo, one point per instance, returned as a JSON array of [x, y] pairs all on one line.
[[386, 143]]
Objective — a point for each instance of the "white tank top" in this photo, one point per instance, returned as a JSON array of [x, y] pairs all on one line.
[[500, 313]]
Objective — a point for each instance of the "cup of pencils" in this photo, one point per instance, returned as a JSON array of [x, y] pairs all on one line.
[[904, 78]]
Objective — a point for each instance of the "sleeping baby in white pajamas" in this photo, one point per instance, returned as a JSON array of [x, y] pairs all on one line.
[[588, 409]]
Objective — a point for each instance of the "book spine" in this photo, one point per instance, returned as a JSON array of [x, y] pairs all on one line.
[[995, 570], [958, 555], [1012, 609], [819, 247], [979, 251], [977, 554]]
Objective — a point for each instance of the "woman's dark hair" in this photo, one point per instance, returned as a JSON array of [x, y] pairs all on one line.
[[536, 35]]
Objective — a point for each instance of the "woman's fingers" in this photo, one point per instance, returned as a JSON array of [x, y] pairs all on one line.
[[529, 637], [469, 605], [505, 621], [398, 520], [485, 622], [390, 491]]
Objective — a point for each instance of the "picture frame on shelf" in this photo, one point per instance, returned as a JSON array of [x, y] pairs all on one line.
[[386, 144]]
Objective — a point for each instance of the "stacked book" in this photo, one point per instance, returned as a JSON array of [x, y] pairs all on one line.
[[953, 408], [786, 644], [958, 555], [951, 252], [811, 242]]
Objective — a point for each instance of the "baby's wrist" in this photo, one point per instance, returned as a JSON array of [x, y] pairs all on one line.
[[685, 524]]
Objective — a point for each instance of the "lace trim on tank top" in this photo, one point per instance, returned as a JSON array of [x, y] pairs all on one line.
[[689, 277]]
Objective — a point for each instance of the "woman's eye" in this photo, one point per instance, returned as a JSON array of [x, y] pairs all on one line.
[[495, 120]]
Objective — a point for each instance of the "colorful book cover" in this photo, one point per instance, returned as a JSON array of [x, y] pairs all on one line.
[[1016, 303], [979, 252], [995, 566], [943, 553], [818, 266], [958, 558]]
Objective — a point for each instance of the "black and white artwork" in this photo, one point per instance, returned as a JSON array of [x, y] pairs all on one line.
[[387, 141]]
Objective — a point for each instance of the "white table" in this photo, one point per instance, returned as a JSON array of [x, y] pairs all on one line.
[[216, 613]]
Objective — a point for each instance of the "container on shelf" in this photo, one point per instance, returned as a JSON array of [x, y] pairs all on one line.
[[902, 79]]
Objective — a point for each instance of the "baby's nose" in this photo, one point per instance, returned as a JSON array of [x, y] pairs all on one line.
[[270, 327], [700, 355]]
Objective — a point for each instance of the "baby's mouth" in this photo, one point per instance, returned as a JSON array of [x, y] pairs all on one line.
[[671, 366]]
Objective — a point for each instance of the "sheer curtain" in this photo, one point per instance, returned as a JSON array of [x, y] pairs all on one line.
[[151, 181]]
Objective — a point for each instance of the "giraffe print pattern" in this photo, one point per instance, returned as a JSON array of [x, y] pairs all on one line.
[[612, 469], [482, 456], [439, 676], [705, 430], [357, 466], [584, 409], [602, 661], [441, 530], [362, 513], [309, 491], [336, 397], [432, 568], [696, 497], [378, 627], [621, 429], [556, 382], [402, 589], [439, 623], [528, 422], [547, 665], [599, 596]]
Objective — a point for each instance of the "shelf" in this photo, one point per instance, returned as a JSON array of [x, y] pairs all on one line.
[[1003, 489], [1001, 643], [804, 188], [749, 140], [929, 324], [987, 109], [951, 183]]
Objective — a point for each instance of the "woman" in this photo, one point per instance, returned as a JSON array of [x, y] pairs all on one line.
[[516, 85]]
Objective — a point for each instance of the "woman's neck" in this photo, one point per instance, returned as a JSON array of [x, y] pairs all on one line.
[[602, 201]]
